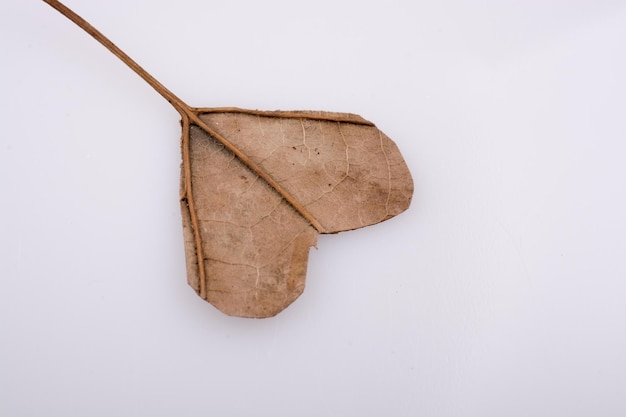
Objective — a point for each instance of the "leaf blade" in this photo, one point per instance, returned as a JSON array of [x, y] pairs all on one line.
[[254, 241], [346, 173]]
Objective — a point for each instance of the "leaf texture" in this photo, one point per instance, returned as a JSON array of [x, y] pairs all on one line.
[[342, 171]]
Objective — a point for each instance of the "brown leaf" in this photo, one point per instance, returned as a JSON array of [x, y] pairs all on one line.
[[334, 172], [258, 187]]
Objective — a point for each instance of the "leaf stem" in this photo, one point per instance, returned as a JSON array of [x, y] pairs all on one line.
[[188, 114], [178, 104]]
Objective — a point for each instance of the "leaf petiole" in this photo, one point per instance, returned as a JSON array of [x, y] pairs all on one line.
[[178, 104]]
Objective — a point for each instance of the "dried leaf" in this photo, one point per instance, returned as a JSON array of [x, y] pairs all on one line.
[[333, 172], [258, 187]]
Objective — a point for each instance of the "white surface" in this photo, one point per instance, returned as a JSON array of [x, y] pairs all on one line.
[[501, 292]]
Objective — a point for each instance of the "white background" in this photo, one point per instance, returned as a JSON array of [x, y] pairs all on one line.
[[500, 292]]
